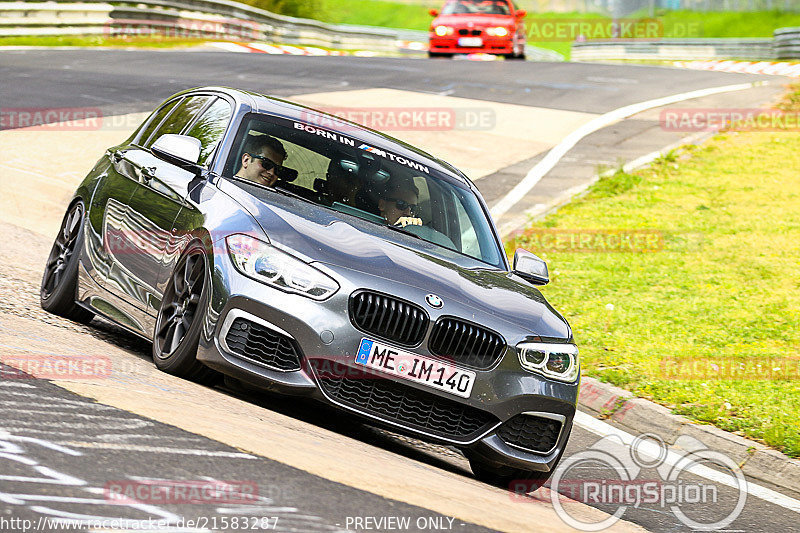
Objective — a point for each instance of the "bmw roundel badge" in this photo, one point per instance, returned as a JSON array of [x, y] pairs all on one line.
[[434, 301]]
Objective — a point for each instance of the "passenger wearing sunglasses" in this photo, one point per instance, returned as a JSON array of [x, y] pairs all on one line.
[[399, 203], [262, 159]]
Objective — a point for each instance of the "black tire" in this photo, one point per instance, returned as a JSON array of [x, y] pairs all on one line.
[[180, 319], [60, 278], [504, 476], [439, 54]]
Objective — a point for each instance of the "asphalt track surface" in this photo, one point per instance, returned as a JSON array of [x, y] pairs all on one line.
[[87, 445], [126, 81]]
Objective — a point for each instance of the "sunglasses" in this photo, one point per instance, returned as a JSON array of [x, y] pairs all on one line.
[[266, 162], [402, 205]]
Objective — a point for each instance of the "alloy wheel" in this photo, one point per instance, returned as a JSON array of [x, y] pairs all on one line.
[[63, 250], [179, 308]]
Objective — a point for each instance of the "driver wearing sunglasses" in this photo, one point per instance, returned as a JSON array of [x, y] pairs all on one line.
[[399, 203], [262, 159]]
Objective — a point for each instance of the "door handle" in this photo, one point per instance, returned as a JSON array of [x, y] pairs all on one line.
[[148, 173]]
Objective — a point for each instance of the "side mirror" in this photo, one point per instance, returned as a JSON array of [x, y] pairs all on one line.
[[530, 267], [521, 14], [180, 150], [433, 12]]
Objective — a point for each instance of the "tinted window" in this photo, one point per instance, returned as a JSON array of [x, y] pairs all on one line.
[[180, 117], [211, 126], [156, 119]]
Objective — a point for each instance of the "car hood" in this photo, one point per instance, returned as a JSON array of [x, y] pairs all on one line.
[[317, 234], [480, 21]]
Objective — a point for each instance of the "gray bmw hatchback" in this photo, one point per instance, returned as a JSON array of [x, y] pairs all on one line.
[[304, 254]]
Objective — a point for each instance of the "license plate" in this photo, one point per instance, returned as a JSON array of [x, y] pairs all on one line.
[[470, 41], [417, 368]]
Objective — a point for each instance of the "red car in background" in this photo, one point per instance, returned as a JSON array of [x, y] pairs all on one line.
[[478, 26]]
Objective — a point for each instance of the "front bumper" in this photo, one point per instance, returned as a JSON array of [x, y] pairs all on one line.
[[490, 45], [322, 331]]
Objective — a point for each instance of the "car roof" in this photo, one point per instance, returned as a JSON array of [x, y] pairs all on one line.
[[261, 103]]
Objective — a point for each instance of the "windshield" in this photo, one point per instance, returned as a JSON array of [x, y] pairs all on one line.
[[486, 7], [339, 172]]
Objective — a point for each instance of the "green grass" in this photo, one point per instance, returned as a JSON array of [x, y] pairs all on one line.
[[375, 13], [675, 23], [726, 285], [727, 24], [791, 100], [415, 17]]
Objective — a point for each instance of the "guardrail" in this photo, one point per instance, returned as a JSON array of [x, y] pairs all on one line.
[[206, 18], [674, 49], [787, 43], [211, 19]]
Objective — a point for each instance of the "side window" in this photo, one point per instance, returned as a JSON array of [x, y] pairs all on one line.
[[210, 127], [156, 119], [179, 118], [309, 164], [469, 239]]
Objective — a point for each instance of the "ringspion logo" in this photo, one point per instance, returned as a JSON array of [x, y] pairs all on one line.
[[643, 473]]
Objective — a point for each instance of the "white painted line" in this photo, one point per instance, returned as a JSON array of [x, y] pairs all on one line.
[[158, 449], [600, 428], [13, 406], [557, 152], [15, 384], [567, 195]]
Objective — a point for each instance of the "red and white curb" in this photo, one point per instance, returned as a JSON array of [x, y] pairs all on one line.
[[275, 49], [285, 49], [784, 68]]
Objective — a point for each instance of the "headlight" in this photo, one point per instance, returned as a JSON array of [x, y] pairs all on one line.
[[497, 32], [265, 263], [441, 31], [557, 361]]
